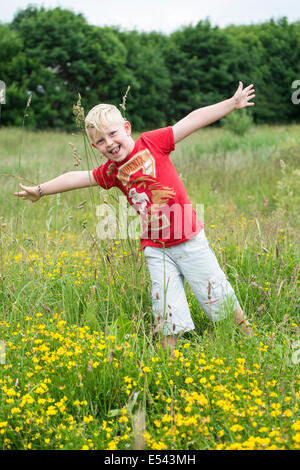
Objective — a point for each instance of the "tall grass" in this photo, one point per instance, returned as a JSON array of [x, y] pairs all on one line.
[[83, 368]]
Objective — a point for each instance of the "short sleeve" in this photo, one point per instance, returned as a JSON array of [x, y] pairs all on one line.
[[162, 139], [102, 177]]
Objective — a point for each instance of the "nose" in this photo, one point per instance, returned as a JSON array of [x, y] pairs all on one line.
[[109, 141]]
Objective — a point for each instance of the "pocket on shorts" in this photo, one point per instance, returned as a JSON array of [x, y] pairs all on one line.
[[220, 298], [214, 290], [156, 296]]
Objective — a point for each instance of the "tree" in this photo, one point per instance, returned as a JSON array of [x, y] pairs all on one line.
[[13, 74], [270, 52], [55, 54], [67, 56], [203, 64], [150, 82]]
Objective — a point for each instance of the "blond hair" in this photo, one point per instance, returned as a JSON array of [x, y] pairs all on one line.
[[100, 116]]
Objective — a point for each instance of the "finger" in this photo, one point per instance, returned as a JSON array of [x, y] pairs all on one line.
[[251, 97], [23, 187], [239, 88]]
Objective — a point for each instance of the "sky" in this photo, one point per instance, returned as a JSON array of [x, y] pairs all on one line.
[[164, 15]]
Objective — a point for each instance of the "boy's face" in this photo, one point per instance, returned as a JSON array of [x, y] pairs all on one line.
[[114, 141]]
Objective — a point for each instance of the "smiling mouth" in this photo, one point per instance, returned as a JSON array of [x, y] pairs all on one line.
[[116, 150]]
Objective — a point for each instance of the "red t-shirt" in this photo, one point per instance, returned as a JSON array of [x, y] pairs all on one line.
[[152, 186]]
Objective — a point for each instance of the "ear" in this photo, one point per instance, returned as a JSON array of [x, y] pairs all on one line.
[[127, 126]]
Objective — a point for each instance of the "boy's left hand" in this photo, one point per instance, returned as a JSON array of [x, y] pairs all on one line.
[[242, 96]]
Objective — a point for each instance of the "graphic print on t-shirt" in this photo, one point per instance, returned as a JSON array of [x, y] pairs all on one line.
[[145, 193], [160, 195], [141, 161]]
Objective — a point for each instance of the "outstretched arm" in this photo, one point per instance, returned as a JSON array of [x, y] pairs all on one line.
[[65, 182], [204, 116]]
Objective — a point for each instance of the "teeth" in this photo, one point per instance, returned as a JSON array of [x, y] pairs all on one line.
[[115, 150]]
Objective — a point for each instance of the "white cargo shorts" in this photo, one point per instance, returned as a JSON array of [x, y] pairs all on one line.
[[192, 261]]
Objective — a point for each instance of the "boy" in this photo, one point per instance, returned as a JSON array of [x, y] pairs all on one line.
[[173, 237]]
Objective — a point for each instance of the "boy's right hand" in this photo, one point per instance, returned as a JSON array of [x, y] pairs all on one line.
[[29, 192]]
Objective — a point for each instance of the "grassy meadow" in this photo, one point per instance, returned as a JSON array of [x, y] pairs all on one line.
[[81, 367]]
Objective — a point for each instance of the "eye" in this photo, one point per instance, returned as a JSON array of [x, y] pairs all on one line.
[[113, 132]]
